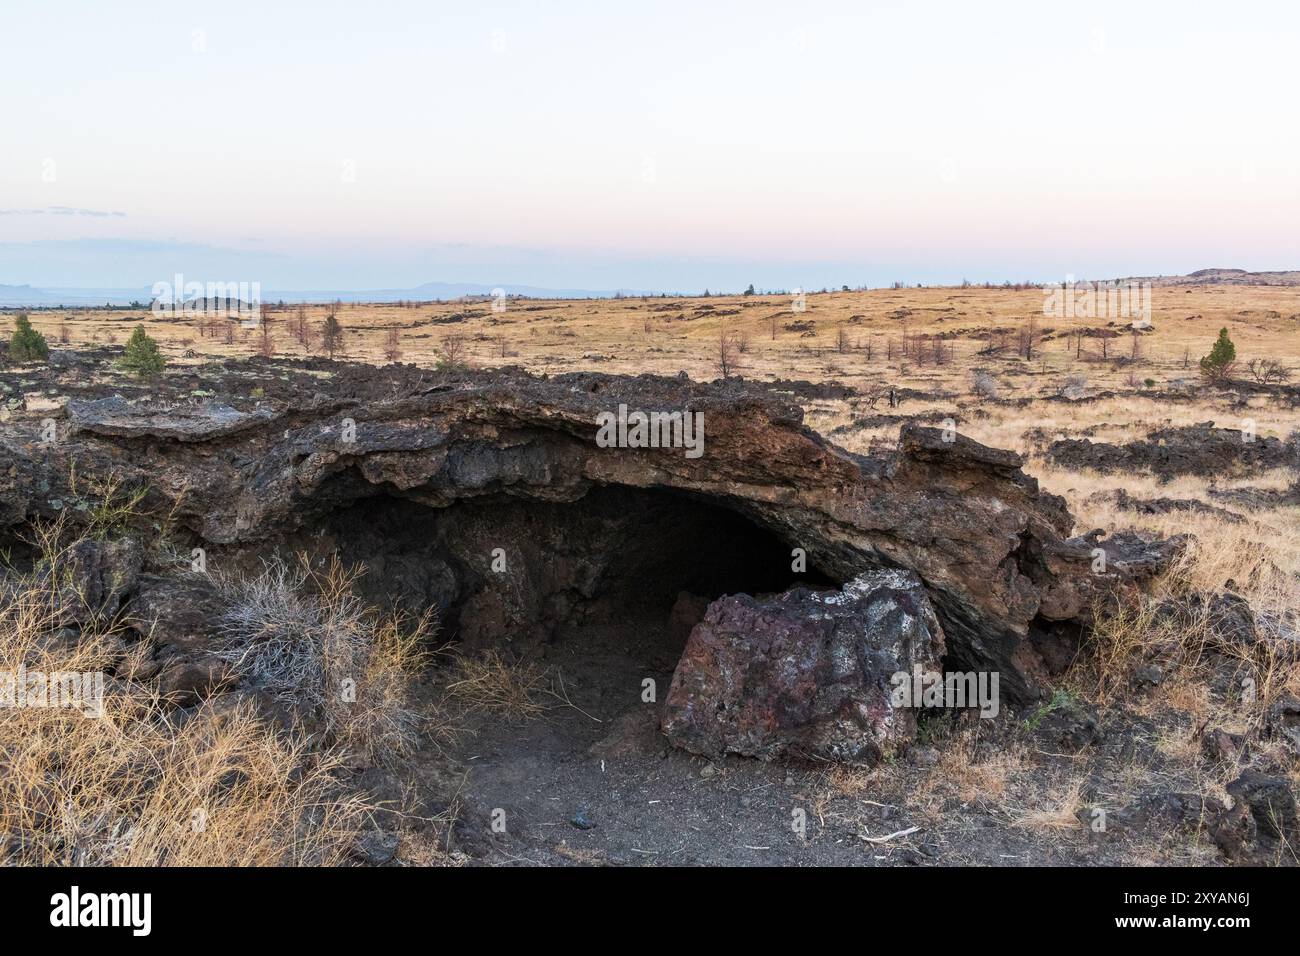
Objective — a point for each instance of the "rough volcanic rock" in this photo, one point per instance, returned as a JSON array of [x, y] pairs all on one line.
[[178, 611], [1163, 809], [86, 582], [1075, 569], [1190, 450], [992, 550], [1227, 619], [688, 610], [1258, 499], [806, 673], [1261, 826], [1162, 506], [96, 576], [185, 680], [1223, 746], [117, 417], [1284, 721]]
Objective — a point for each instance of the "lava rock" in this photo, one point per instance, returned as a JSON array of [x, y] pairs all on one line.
[[1187, 450], [1262, 821], [990, 547], [1070, 725], [377, 847], [186, 680], [1284, 720], [178, 611], [804, 673], [1223, 746], [98, 575], [688, 610]]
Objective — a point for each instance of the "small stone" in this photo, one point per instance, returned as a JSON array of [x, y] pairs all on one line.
[[1149, 675], [582, 821], [1225, 747], [377, 847], [923, 756]]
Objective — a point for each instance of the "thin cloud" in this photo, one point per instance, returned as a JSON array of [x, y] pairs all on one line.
[[109, 246], [64, 211]]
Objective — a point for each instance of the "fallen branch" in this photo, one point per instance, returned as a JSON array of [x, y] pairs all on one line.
[[885, 839]]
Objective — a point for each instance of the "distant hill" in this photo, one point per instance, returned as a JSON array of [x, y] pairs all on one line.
[[1223, 277], [12, 296]]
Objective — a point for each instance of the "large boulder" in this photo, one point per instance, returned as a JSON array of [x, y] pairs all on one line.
[[805, 673]]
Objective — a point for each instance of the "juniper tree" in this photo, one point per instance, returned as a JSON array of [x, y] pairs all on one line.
[[331, 335], [27, 345], [142, 356], [1218, 365]]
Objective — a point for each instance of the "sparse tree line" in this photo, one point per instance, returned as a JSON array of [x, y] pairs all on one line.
[[143, 357], [1216, 368]]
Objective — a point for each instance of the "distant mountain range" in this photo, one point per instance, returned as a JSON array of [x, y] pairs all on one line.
[[27, 296], [32, 297]]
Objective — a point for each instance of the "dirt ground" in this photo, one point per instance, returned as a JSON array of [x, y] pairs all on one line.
[[591, 781]]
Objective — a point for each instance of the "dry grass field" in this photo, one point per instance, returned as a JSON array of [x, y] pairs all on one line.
[[666, 335]]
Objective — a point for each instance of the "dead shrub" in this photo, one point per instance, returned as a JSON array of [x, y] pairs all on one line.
[[984, 386], [492, 684], [302, 635]]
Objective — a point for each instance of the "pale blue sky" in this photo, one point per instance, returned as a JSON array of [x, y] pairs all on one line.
[[667, 145]]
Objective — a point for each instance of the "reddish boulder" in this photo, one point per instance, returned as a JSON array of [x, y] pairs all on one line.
[[804, 673]]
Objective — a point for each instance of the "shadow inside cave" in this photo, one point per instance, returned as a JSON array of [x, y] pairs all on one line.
[[514, 569]]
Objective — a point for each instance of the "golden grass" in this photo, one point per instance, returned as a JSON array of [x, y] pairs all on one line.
[[1057, 812], [967, 775], [124, 779], [646, 334], [489, 683]]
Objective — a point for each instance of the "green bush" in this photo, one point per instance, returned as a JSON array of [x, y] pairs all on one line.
[[27, 345], [142, 356]]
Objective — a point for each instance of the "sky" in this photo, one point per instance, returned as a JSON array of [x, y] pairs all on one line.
[[670, 146]]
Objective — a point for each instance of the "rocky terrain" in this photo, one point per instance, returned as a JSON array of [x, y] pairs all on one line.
[[698, 653], [993, 552]]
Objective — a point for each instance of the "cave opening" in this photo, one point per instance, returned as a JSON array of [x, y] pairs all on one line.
[[511, 569]]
